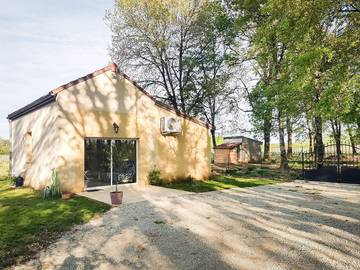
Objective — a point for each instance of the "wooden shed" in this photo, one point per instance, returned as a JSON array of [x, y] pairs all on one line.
[[238, 150], [227, 153]]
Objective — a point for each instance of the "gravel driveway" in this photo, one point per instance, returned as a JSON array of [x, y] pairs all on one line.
[[293, 225]]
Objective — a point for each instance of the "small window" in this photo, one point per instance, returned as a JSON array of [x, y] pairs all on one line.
[[28, 147]]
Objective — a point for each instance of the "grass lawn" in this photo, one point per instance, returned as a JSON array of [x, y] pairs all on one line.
[[4, 168], [240, 177], [219, 182], [29, 223]]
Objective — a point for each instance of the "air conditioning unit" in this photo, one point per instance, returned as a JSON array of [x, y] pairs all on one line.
[[170, 125]]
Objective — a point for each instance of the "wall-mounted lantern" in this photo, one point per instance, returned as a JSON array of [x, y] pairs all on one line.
[[115, 128]]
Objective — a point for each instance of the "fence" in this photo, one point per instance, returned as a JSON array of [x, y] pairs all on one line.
[[339, 164]]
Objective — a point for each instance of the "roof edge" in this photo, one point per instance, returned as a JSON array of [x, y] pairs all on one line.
[[51, 96], [111, 67], [167, 107], [33, 106], [229, 145], [240, 136]]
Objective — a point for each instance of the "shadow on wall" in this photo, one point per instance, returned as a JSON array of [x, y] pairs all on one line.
[[35, 146], [90, 109]]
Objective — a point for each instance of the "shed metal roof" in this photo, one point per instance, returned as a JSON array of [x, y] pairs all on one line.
[[241, 137], [227, 146]]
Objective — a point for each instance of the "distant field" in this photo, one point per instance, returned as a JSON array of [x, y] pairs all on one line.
[[4, 165], [297, 147], [4, 147], [4, 158], [274, 147], [219, 140]]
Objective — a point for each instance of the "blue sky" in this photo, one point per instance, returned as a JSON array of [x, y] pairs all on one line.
[[44, 44]]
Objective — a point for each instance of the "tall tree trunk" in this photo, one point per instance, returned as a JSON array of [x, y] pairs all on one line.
[[310, 142], [284, 161], [213, 137], [267, 135], [310, 135], [352, 141], [289, 137], [319, 144], [336, 128]]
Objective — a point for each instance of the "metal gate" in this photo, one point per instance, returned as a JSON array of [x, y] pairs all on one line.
[[340, 164]]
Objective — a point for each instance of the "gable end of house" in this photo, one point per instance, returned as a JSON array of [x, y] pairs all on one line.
[[51, 96]]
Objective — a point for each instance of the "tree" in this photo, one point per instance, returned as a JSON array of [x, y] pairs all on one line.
[[213, 61], [249, 19], [180, 50], [152, 39], [262, 113]]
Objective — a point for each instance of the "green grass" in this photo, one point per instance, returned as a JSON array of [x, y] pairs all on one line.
[[250, 176], [219, 182], [28, 223], [4, 168], [4, 146], [268, 173]]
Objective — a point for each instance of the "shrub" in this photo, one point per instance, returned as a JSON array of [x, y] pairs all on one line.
[[154, 176], [295, 175], [11, 180]]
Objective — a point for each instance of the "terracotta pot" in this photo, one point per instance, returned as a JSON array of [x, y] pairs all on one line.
[[65, 195], [116, 197]]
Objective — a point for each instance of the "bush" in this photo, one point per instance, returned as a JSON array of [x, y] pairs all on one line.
[[11, 180], [154, 177], [295, 175]]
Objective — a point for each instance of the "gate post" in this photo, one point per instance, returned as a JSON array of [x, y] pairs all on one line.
[[302, 162], [338, 170]]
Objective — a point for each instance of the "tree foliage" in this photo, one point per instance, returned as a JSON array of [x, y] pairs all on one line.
[[304, 54], [180, 50]]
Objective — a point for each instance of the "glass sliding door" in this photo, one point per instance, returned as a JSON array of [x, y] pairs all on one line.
[[124, 161], [97, 162], [108, 161]]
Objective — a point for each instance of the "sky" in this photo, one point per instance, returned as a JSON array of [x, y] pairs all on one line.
[[44, 44]]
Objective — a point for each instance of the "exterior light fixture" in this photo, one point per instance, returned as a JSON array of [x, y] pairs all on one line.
[[115, 127]]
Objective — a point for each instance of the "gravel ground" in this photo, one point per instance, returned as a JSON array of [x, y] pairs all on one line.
[[295, 225]]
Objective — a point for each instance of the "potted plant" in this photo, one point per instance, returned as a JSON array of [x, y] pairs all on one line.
[[66, 195], [116, 196]]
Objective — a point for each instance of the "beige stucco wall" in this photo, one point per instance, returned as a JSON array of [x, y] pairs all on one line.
[[43, 146], [89, 109]]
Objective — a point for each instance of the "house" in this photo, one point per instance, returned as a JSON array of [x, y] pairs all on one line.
[[238, 150], [103, 128]]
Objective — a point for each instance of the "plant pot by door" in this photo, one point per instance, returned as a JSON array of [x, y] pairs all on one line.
[[116, 197]]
